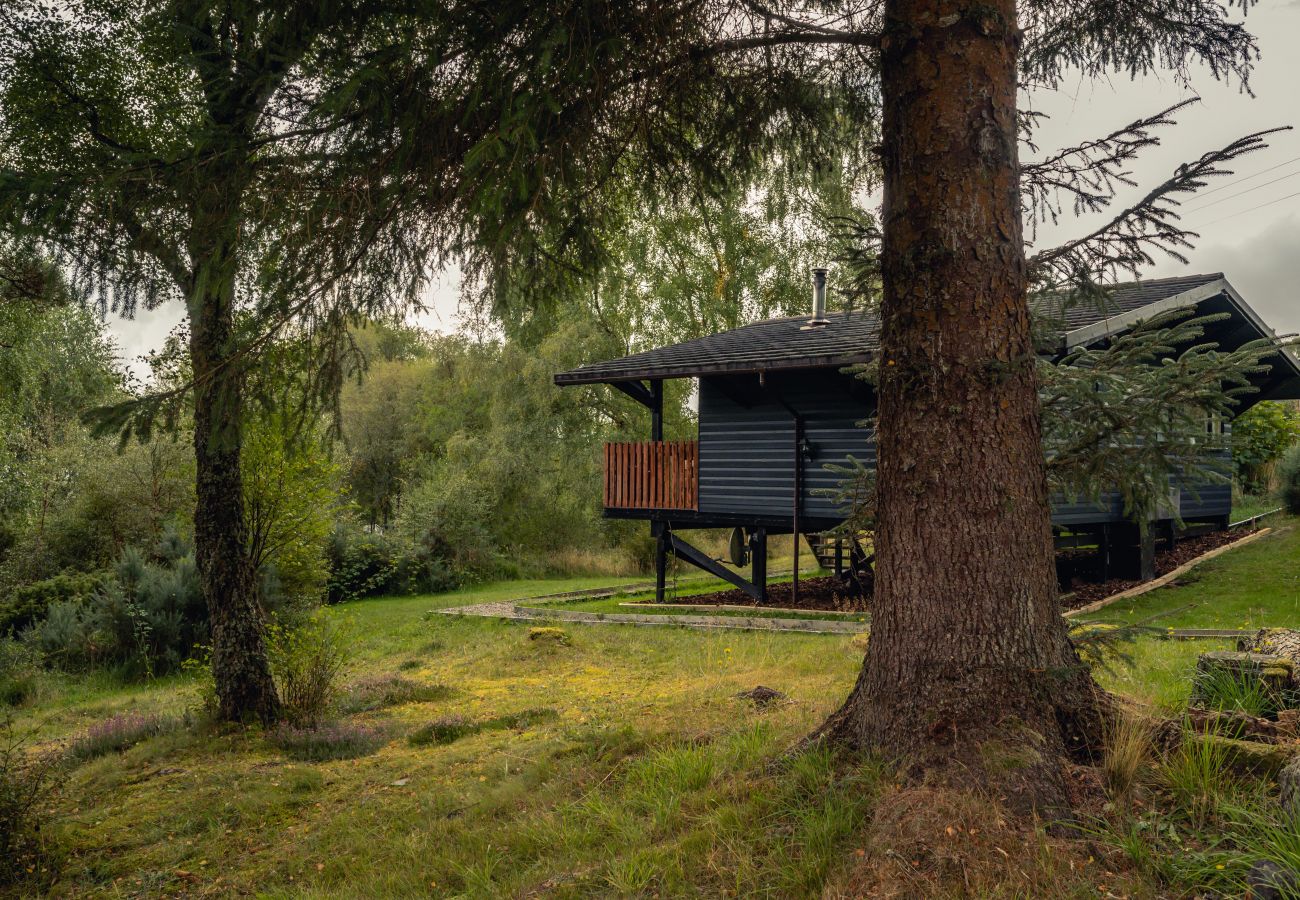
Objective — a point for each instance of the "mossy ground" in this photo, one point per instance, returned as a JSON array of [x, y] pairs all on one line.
[[644, 775]]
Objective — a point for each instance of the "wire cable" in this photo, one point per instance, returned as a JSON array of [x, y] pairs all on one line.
[[1246, 191], [1225, 186], [1251, 209]]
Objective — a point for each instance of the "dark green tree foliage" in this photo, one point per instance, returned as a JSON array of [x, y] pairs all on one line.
[[296, 165], [213, 152], [1131, 415]]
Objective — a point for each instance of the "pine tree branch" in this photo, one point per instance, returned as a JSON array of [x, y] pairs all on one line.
[[1130, 239]]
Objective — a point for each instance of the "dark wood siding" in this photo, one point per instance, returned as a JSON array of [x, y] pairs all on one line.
[[747, 440], [746, 450]]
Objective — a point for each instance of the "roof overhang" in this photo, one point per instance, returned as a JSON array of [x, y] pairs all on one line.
[[1282, 383], [656, 373]]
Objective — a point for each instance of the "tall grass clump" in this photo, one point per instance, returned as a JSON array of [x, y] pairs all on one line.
[[1197, 775], [1129, 744], [1225, 691]]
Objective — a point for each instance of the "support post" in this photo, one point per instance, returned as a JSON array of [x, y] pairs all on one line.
[[661, 560], [758, 561], [798, 495], [700, 560], [657, 410], [1103, 550], [1147, 564]]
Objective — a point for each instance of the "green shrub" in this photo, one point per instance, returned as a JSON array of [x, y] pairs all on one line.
[[19, 672], [24, 783], [146, 617], [444, 521], [363, 564], [1261, 436], [28, 604], [1289, 474], [308, 661]]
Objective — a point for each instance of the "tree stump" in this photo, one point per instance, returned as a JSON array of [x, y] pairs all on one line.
[[1273, 641], [1288, 780]]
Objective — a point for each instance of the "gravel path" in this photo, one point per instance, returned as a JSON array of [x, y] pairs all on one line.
[[514, 610]]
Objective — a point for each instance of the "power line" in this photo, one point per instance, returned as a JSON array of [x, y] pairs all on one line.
[[1229, 184], [1246, 191], [1252, 209]]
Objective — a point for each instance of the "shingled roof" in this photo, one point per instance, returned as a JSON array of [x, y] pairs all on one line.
[[849, 338]]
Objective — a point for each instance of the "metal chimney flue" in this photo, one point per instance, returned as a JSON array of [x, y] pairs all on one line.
[[819, 300]]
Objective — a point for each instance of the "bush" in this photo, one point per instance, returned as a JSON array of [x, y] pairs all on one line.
[[444, 521], [308, 661], [28, 604], [145, 617], [338, 741], [19, 672], [1260, 436], [118, 733], [363, 564], [1289, 473], [24, 782]]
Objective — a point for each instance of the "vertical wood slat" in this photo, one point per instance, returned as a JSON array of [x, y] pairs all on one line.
[[651, 475]]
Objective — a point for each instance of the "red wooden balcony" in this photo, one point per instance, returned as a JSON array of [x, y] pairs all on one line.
[[652, 475]]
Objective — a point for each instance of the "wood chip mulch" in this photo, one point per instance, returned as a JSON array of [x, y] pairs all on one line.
[[1184, 551]]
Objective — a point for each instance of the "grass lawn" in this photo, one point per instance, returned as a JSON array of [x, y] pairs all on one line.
[[1256, 586], [615, 761]]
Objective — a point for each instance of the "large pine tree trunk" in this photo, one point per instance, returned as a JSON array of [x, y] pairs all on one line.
[[245, 689], [969, 669]]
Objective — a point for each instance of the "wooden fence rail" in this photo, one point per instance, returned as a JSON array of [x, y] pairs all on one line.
[[652, 475]]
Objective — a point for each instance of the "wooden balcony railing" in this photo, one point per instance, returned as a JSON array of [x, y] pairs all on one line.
[[652, 475]]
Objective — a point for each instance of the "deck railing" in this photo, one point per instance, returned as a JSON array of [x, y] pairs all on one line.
[[652, 475]]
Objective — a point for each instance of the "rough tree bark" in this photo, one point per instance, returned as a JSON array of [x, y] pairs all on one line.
[[970, 674], [240, 667]]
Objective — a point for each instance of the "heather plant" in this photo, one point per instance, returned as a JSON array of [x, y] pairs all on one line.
[[380, 691], [118, 733], [444, 730], [337, 740]]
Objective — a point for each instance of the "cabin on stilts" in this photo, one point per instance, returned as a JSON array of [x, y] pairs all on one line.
[[777, 404]]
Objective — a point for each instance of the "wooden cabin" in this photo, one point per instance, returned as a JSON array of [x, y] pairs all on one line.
[[776, 406]]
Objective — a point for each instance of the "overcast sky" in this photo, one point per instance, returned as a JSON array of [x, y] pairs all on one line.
[[1249, 227]]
